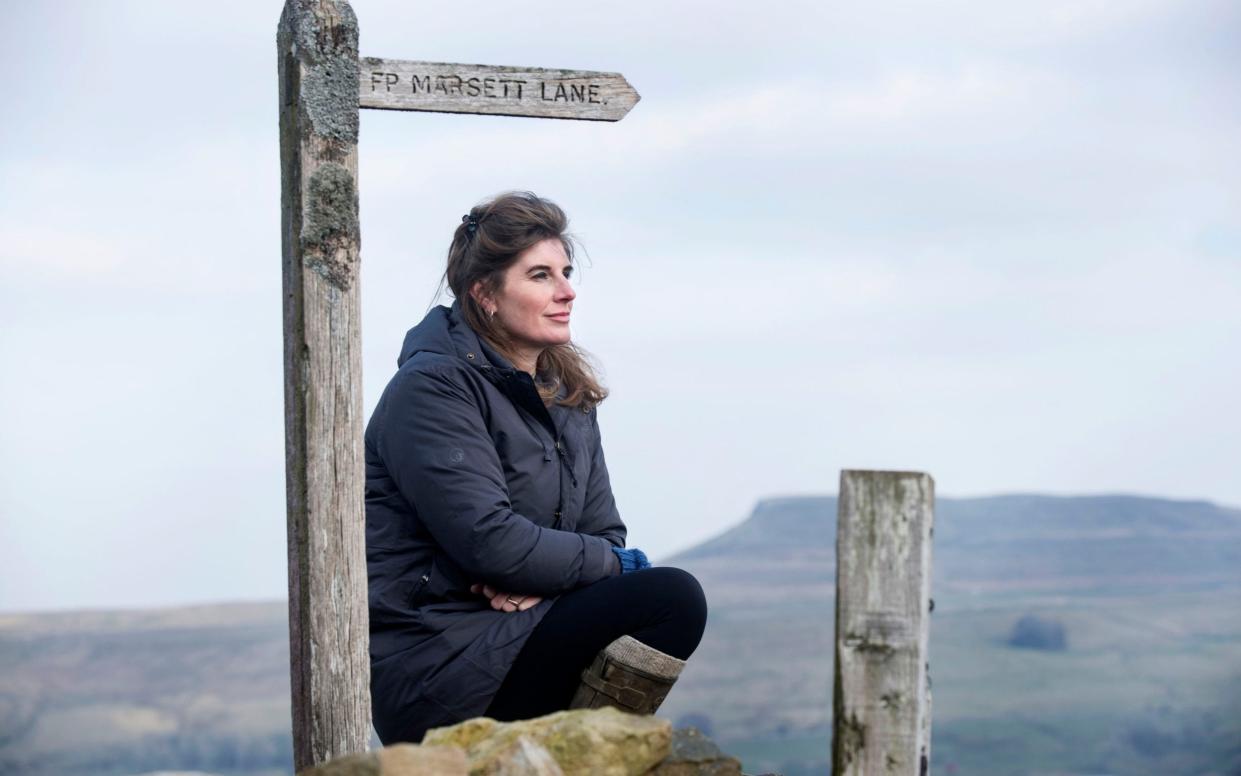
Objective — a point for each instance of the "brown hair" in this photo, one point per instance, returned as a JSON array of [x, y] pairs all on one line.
[[503, 228]]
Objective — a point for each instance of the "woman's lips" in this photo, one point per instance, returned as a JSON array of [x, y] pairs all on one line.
[[560, 316]]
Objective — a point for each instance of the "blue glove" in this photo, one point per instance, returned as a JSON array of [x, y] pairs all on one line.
[[631, 560]]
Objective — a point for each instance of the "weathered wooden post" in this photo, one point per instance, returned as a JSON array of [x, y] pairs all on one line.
[[882, 699], [323, 83], [328, 617]]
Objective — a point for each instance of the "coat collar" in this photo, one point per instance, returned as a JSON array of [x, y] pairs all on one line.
[[516, 383], [473, 349], [444, 330]]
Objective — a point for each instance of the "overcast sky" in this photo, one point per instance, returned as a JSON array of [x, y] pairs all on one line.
[[996, 242]]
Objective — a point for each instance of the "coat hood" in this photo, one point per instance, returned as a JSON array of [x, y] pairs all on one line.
[[445, 331]]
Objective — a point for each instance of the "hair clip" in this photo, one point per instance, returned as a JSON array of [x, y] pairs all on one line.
[[471, 223]]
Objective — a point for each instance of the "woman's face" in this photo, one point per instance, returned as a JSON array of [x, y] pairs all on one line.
[[535, 298]]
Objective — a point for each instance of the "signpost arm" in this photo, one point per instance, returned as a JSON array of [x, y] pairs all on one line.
[[497, 90], [317, 43]]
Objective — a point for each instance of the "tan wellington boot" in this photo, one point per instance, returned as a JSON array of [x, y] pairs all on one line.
[[629, 675]]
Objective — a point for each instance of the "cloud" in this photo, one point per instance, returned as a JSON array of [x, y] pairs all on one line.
[[993, 240], [37, 250]]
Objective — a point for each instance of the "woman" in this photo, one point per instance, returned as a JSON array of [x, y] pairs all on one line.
[[500, 583]]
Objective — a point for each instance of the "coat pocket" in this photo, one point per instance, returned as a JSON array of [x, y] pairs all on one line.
[[419, 588], [436, 585]]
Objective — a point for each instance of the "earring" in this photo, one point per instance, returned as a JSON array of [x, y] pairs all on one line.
[[493, 313]]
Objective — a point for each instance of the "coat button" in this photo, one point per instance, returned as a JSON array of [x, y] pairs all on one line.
[[469, 355]]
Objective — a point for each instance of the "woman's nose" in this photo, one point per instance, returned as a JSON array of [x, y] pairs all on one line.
[[564, 291]]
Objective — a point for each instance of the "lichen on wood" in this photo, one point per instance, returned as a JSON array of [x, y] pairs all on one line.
[[330, 227], [850, 741], [325, 36]]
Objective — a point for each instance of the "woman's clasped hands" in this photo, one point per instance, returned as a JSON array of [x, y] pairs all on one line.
[[505, 602]]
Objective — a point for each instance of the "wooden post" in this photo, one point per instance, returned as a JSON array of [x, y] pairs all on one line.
[[882, 700], [317, 44]]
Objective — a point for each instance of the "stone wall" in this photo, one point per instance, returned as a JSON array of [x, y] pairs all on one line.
[[599, 742]]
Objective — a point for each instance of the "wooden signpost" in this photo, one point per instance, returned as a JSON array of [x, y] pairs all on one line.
[[323, 83], [882, 696]]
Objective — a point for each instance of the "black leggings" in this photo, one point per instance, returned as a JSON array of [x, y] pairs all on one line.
[[663, 607]]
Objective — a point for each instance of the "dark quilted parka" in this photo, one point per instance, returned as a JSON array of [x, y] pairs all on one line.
[[470, 478]]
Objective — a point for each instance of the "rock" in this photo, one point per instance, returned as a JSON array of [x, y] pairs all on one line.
[[463, 734], [397, 760], [693, 754], [417, 760], [522, 757], [606, 741]]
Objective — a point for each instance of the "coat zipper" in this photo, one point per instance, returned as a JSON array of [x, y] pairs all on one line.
[[560, 451], [564, 459], [413, 594]]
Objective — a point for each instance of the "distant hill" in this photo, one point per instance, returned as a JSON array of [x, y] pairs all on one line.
[[1146, 590], [1025, 542], [1149, 589]]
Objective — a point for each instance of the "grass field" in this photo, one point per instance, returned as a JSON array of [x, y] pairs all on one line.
[[1149, 684], [1148, 590]]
